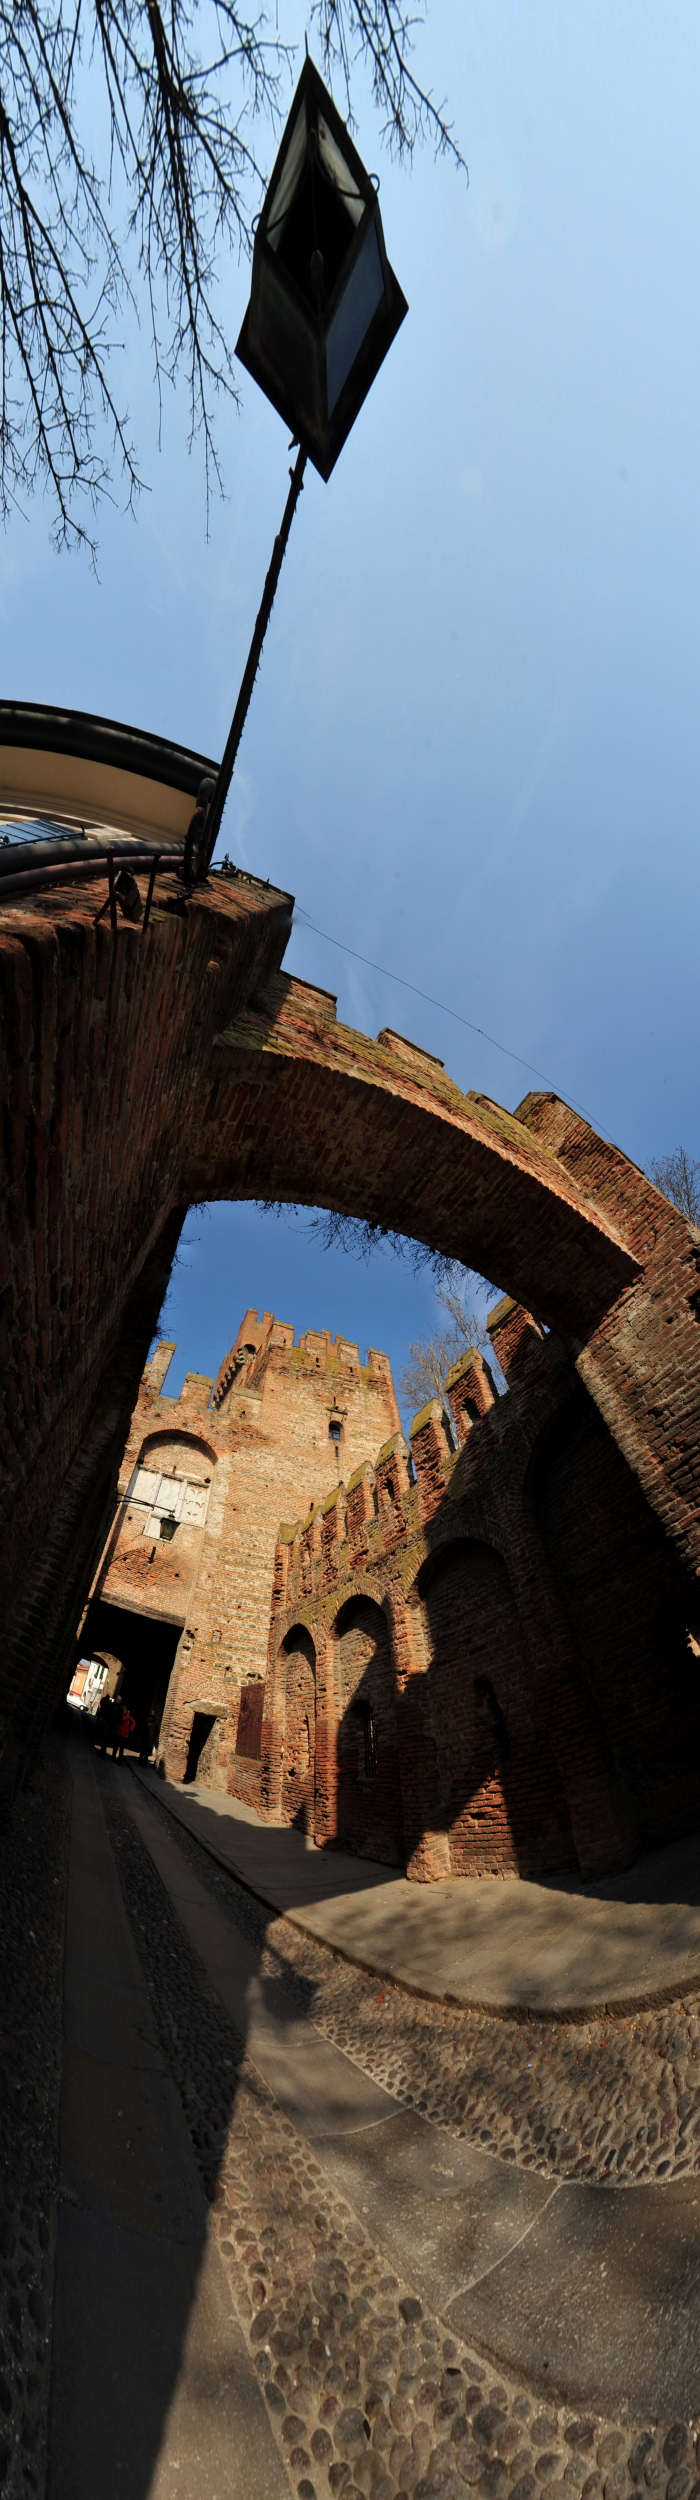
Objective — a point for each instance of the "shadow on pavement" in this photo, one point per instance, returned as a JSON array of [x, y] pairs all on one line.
[[553, 1946], [152, 2390]]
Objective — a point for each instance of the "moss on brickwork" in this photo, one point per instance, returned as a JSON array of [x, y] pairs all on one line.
[[359, 1473], [427, 1415], [501, 1312], [463, 1364]]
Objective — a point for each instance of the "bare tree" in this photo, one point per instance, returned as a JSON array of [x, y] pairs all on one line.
[[429, 1359], [460, 1293], [678, 1175], [128, 170]]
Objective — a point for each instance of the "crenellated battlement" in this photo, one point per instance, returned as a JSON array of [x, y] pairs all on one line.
[[196, 1390], [265, 1344], [391, 1499]]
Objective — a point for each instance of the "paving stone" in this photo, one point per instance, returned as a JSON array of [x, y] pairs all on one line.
[[676, 2445], [356, 2337], [638, 2455], [616, 2483], [488, 2422]]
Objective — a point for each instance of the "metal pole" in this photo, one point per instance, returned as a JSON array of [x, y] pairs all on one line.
[[214, 813]]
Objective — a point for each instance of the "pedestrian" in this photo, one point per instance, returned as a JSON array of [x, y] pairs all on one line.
[[125, 1726], [104, 1723]]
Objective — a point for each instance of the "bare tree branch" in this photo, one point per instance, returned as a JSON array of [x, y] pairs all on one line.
[[178, 87], [383, 32], [461, 1295], [678, 1175]]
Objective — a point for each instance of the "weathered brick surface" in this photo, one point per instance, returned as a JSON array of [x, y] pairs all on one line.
[[258, 1438], [139, 1073], [516, 1625], [102, 1037]]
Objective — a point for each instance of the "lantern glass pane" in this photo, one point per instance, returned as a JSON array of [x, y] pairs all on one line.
[[317, 236], [281, 201], [351, 320], [338, 172]]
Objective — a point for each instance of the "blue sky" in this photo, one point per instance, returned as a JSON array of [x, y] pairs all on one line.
[[473, 748]]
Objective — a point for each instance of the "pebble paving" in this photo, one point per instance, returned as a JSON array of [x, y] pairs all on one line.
[[368, 2397], [614, 2102], [33, 1876]]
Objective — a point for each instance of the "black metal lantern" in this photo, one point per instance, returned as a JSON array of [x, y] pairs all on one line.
[[324, 302]]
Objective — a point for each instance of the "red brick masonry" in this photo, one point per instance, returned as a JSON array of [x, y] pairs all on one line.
[[142, 1073], [490, 1653]]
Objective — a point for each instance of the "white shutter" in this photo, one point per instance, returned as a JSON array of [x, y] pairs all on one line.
[[144, 1485], [168, 1500], [194, 1505]]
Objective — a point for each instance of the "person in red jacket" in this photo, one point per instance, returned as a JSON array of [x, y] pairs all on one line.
[[125, 1726]]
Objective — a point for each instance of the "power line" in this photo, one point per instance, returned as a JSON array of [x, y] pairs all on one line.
[[443, 1010]]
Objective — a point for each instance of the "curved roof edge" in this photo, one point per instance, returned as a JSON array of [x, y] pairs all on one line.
[[78, 770], [55, 730]]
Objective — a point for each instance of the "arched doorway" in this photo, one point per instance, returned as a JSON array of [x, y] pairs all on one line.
[[499, 1795], [299, 1758], [369, 1811]]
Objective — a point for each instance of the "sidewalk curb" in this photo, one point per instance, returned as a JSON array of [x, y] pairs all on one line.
[[601, 2010]]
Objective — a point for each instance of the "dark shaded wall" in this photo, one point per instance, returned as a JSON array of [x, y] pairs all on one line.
[[369, 1815], [540, 1678], [497, 1791], [103, 1037], [632, 1611]]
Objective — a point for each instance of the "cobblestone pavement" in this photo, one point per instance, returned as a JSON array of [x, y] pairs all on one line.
[[615, 2102], [368, 2397], [33, 1875]]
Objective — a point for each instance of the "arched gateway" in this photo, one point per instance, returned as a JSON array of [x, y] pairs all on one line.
[[157, 1059]]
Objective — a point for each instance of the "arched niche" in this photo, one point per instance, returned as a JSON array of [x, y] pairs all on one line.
[[298, 1663], [497, 1792], [369, 1808], [169, 1488], [184, 1453]]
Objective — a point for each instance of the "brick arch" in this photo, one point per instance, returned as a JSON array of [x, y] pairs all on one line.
[[297, 1666], [369, 1815], [303, 1110], [300, 1108], [498, 1794], [165, 1440]]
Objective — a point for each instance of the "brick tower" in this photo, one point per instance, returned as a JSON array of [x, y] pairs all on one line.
[[180, 1607]]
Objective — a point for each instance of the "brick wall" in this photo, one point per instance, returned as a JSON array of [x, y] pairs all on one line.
[[519, 1626]]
